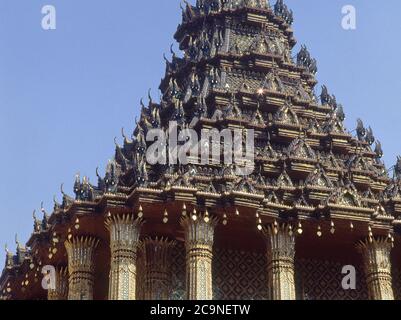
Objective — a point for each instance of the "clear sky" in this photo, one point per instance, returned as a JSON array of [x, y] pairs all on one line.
[[65, 94]]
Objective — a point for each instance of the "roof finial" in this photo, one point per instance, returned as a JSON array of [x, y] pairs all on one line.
[[16, 241], [42, 209], [142, 104], [97, 173], [55, 201], [150, 96], [171, 50], [116, 143]]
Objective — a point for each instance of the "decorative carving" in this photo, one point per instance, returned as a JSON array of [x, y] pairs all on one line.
[[397, 169], [360, 130], [377, 263], [124, 243], [60, 292], [281, 10], [280, 261], [318, 178], [80, 251], [299, 148], [305, 60], [83, 190], [157, 255], [287, 115], [284, 180], [199, 238]]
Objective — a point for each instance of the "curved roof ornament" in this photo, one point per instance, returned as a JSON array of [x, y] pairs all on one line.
[[126, 140], [16, 241], [35, 218], [360, 130], [42, 209], [172, 51], [116, 142], [62, 190], [150, 96], [55, 201], [97, 173]]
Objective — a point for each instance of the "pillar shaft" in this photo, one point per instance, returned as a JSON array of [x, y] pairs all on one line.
[[280, 257], [157, 254], [124, 242], [81, 251], [199, 238], [60, 292], [376, 254]]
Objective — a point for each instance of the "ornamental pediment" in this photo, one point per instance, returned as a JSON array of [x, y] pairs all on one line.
[[319, 178], [284, 180], [286, 115], [345, 197], [299, 148]]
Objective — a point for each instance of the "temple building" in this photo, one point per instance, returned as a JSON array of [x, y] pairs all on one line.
[[318, 198]]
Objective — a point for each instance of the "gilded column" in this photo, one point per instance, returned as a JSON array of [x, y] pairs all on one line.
[[157, 254], [81, 252], [199, 238], [124, 243], [60, 291], [280, 258], [377, 264]]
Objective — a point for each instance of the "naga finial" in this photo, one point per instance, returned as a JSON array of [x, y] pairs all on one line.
[[116, 142], [16, 241], [142, 104], [42, 209], [150, 96], [123, 133], [97, 173]]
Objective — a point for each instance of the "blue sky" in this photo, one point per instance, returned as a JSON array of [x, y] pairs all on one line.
[[65, 94]]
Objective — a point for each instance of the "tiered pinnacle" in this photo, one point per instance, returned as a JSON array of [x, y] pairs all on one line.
[[238, 71]]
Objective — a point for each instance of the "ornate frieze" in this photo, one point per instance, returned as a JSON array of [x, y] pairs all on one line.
[[124, 243], [81, 251]]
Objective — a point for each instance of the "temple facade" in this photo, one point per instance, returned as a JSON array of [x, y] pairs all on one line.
[[316, 199]]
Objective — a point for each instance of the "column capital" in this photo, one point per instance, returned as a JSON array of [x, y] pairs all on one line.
[[280, 240], [125, 230], [376, 252], [157, 254], [60, 292], [199, 229], [81, 252], [199, 238]]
